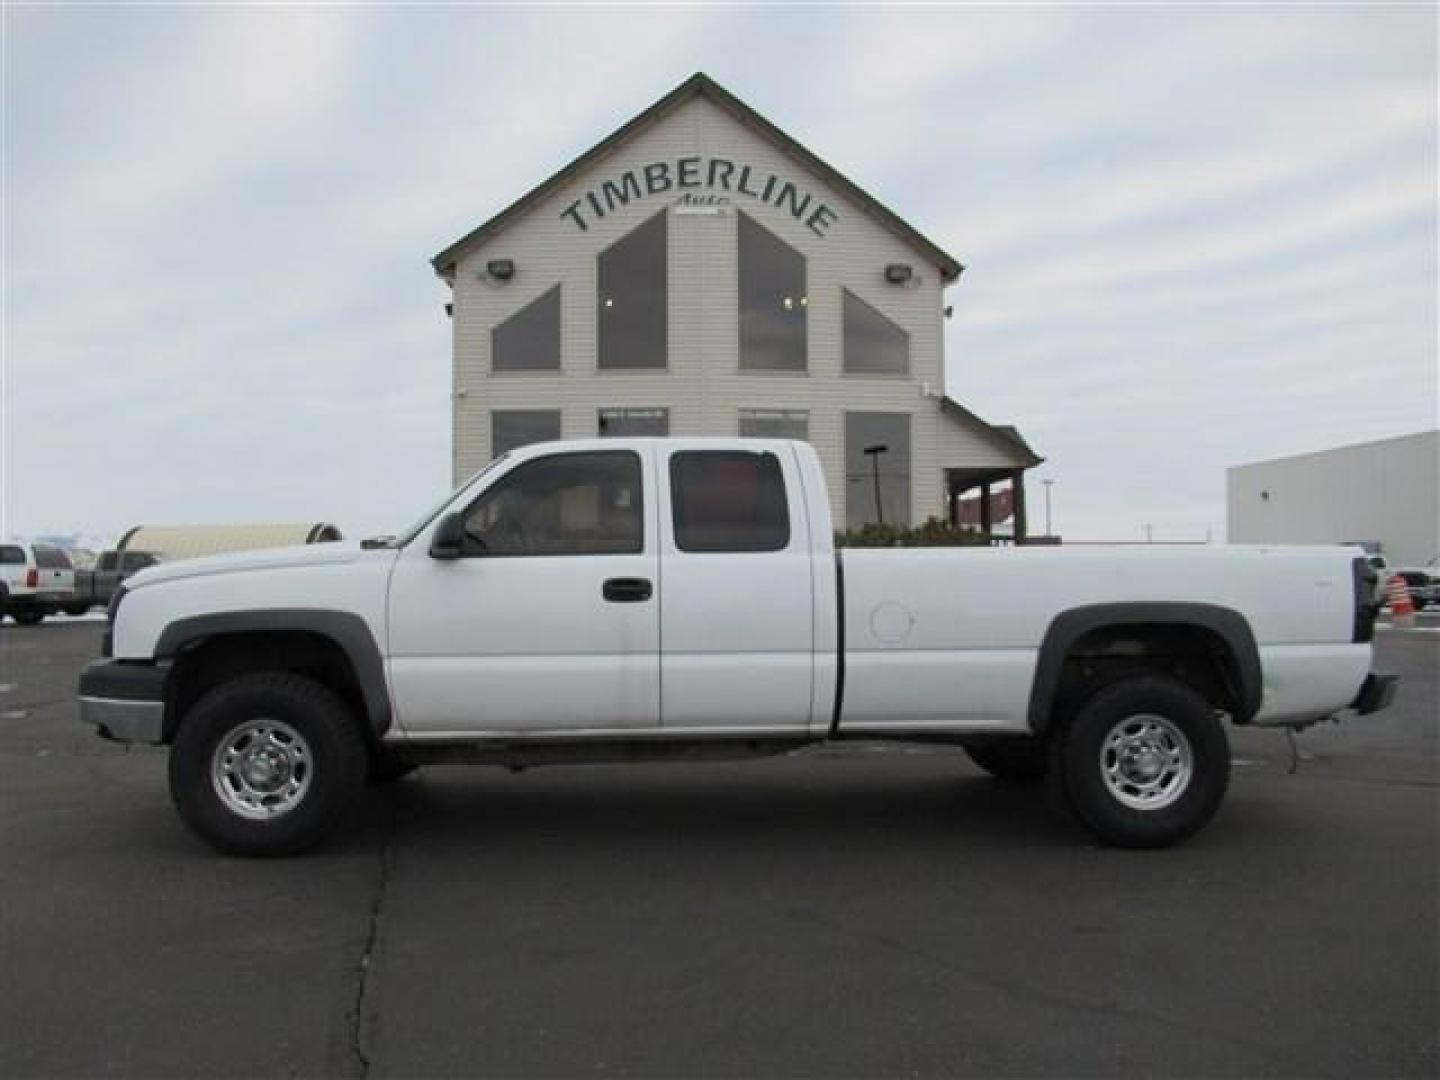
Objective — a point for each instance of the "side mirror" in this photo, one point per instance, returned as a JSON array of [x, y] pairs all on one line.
[[449, 537]]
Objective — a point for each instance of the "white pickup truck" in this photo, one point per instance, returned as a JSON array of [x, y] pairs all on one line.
[[679, 598]]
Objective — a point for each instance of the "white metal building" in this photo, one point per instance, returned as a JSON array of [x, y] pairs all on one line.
[[699, 272], [1385, 494]]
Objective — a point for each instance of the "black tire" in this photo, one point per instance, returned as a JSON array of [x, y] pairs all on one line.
[[27, 616], [291, 719], [1018, 761], [386, 767], [76, 609], [1165, 725]]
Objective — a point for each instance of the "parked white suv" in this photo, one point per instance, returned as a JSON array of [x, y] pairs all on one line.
[[35, 580]]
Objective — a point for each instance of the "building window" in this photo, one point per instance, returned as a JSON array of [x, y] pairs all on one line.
[[728, 500], [632, 298], [873, 344], [521, 427], [868, 430], [563, 504], [775, 424], [529, 340], [773, 300], [619, 423]]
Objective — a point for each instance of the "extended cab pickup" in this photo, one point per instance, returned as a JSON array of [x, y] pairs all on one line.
[[663, 598]]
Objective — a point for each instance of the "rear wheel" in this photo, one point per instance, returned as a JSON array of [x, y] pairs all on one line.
[[1023, 761], [76, 609], [266, 764], [1144, 763]]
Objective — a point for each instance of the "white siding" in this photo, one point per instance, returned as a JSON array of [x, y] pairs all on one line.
[[1387, 492], [704, 387]]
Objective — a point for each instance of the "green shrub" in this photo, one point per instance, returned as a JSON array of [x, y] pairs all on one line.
[[934, 533]]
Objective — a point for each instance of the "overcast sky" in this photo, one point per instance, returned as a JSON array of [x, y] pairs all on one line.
[[1194, 237]]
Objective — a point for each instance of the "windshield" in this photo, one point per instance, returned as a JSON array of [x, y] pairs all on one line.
[[431, 514]]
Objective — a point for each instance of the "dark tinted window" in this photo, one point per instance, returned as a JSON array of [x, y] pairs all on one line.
[[106, 561], [137, 560], [772, 301], [565, 504], [632, 299], [775, 423], [873, 429], [11, 555], [530, 339], [51, 558], [619, 423], [728, 500], [873, 344], [521, 427]]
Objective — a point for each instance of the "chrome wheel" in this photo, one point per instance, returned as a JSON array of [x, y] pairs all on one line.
[[261, 769], [1146, 761]]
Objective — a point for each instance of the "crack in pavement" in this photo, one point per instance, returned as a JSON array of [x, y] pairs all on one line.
[[356, 1016]]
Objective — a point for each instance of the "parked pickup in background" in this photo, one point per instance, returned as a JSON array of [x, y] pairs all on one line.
[[682, 598], [94, 588]]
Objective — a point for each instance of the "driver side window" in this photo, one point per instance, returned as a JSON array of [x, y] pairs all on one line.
[[561, 504]]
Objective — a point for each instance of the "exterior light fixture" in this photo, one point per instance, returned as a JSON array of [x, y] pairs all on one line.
[[501, 269], [874, 452], [898, 273]]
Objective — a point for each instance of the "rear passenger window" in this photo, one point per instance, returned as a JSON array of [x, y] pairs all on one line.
[[728, 500], [11, 555]]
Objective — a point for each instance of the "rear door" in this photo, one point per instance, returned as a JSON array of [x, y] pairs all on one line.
[[736, 607]]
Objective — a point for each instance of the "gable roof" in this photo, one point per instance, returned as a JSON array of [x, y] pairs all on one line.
[[1005, 437], [700, 85]]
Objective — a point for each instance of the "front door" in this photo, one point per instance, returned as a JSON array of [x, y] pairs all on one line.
[[549, 621]]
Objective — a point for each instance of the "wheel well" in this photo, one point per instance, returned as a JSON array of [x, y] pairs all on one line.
[[204, 664], [1195, 655]]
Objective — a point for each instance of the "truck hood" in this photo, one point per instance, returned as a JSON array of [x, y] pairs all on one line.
[[328, 554]]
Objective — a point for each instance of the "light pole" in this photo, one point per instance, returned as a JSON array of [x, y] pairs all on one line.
[[874, 453], [1048, 485]]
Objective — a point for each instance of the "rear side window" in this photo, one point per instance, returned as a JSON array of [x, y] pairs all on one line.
[[51, 558], [137, 560], [728, 500], [10, 555]]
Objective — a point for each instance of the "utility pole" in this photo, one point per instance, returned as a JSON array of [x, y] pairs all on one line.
[[1149, 534], [1048, 485], [874, 453]]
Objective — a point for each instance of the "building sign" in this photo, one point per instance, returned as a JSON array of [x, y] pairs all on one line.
[[712, 176]]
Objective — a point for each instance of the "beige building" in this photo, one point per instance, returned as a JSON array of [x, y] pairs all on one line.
[[700, 273]]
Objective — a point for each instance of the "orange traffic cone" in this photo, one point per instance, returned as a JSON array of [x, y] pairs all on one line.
[[1402, 609]]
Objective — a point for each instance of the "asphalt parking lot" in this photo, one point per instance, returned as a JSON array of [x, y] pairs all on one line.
[[840, 913]]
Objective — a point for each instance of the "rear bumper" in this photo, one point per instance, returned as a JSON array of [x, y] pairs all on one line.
[[124, 701], [1376, 693]]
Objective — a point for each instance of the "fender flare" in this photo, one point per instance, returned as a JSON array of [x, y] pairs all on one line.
[[1069, 626], [348, 631]]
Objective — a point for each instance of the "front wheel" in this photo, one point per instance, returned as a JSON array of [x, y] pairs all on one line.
[[76, 609], [1144, 763], [266, 764], [27, 616]]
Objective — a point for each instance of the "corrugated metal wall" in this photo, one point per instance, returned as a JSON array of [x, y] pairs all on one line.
[[1386, 491]]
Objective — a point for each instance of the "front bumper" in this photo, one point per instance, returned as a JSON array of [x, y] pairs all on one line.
[[1376, 692], [124, 700]]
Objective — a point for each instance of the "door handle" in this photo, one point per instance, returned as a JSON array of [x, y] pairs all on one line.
[[627, 590]]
